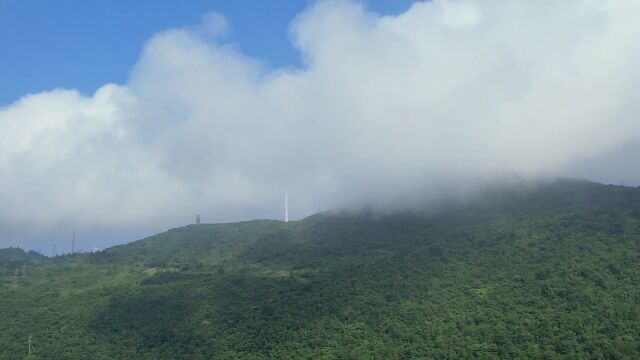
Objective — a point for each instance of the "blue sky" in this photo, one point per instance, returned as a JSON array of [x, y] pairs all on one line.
[[388, 111], [83, 44]]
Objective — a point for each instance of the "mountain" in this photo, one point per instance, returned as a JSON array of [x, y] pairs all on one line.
[[16, 258], [525, 271]]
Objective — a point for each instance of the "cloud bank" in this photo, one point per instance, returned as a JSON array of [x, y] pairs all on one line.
[[384, 108]]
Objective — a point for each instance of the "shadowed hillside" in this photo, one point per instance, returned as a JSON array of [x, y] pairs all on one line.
[[519, 272]]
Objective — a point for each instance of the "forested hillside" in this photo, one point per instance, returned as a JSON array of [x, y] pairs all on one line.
[[521, 272]]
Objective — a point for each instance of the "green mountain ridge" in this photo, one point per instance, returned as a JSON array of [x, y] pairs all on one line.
[[545, 271]]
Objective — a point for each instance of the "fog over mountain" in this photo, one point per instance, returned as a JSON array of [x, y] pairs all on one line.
[[387, 110]]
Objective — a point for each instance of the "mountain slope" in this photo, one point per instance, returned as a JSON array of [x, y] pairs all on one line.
[[519, 272]]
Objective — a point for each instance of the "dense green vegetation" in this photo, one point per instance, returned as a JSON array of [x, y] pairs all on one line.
[[545, 272]]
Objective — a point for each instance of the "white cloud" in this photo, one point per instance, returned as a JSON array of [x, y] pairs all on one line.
[[448, 92]]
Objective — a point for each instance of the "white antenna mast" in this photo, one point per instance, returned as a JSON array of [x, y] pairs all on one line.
[[286, 206], [94, 246]]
